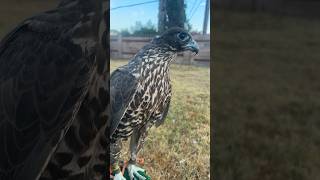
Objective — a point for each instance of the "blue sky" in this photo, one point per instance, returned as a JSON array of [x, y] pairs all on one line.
[[125, 18]]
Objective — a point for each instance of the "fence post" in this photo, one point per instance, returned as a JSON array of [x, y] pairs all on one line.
[[120, 46]]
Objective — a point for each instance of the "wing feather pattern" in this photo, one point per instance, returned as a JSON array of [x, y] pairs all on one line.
[[42, 77], [123, 86]]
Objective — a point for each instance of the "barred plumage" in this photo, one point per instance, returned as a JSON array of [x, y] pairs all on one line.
[[141, 90], [152, 88]]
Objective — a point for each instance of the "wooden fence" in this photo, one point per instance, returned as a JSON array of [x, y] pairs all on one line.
[[126, 47]]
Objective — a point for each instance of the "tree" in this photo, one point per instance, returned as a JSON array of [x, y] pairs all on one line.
[[148, 29], [171, 14], [140, 29], [125, 32]]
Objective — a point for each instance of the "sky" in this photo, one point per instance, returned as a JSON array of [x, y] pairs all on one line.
[[125, 18]]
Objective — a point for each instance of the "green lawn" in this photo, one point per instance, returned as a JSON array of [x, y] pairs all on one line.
[[266, 97], [180, 148]]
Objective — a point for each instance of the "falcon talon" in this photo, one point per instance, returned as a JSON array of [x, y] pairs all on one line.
[[140, 93]]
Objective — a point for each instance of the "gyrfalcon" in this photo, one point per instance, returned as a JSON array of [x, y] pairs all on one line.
[[140, 94], [49, 64]]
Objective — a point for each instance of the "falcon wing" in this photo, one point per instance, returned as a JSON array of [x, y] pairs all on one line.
[[122, 89], [41, 79]]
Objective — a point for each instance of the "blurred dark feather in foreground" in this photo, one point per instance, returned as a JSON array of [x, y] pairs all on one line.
[[53, 94]]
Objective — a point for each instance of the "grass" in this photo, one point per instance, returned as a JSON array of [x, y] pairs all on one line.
[[180, 148], [266, 97]]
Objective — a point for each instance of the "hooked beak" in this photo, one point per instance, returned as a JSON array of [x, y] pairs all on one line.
[[192, 46]]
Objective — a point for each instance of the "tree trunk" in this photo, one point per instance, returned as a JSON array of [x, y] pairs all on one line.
[[162, 16]]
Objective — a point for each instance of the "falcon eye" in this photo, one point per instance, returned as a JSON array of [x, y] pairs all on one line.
[[183, 36]]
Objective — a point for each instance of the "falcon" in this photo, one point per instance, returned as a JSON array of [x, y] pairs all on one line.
[[140, 95], [52, 65]]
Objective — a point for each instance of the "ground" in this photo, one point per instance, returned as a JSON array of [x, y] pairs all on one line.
[[180, 148], [266, 97]]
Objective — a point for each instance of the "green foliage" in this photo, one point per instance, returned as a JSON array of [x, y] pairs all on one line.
[[125, 32], [140, 29], [147, 29]]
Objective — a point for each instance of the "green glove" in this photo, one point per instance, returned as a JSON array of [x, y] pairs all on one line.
[[138, 174], [143, 174], [126, 174]]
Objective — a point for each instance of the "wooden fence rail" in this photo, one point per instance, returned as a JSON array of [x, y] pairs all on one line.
[[126, 47]]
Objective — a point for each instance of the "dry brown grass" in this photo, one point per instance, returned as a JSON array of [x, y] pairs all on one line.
[[180, 148]]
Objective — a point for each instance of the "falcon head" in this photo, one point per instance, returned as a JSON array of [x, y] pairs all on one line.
[[178, 40]]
